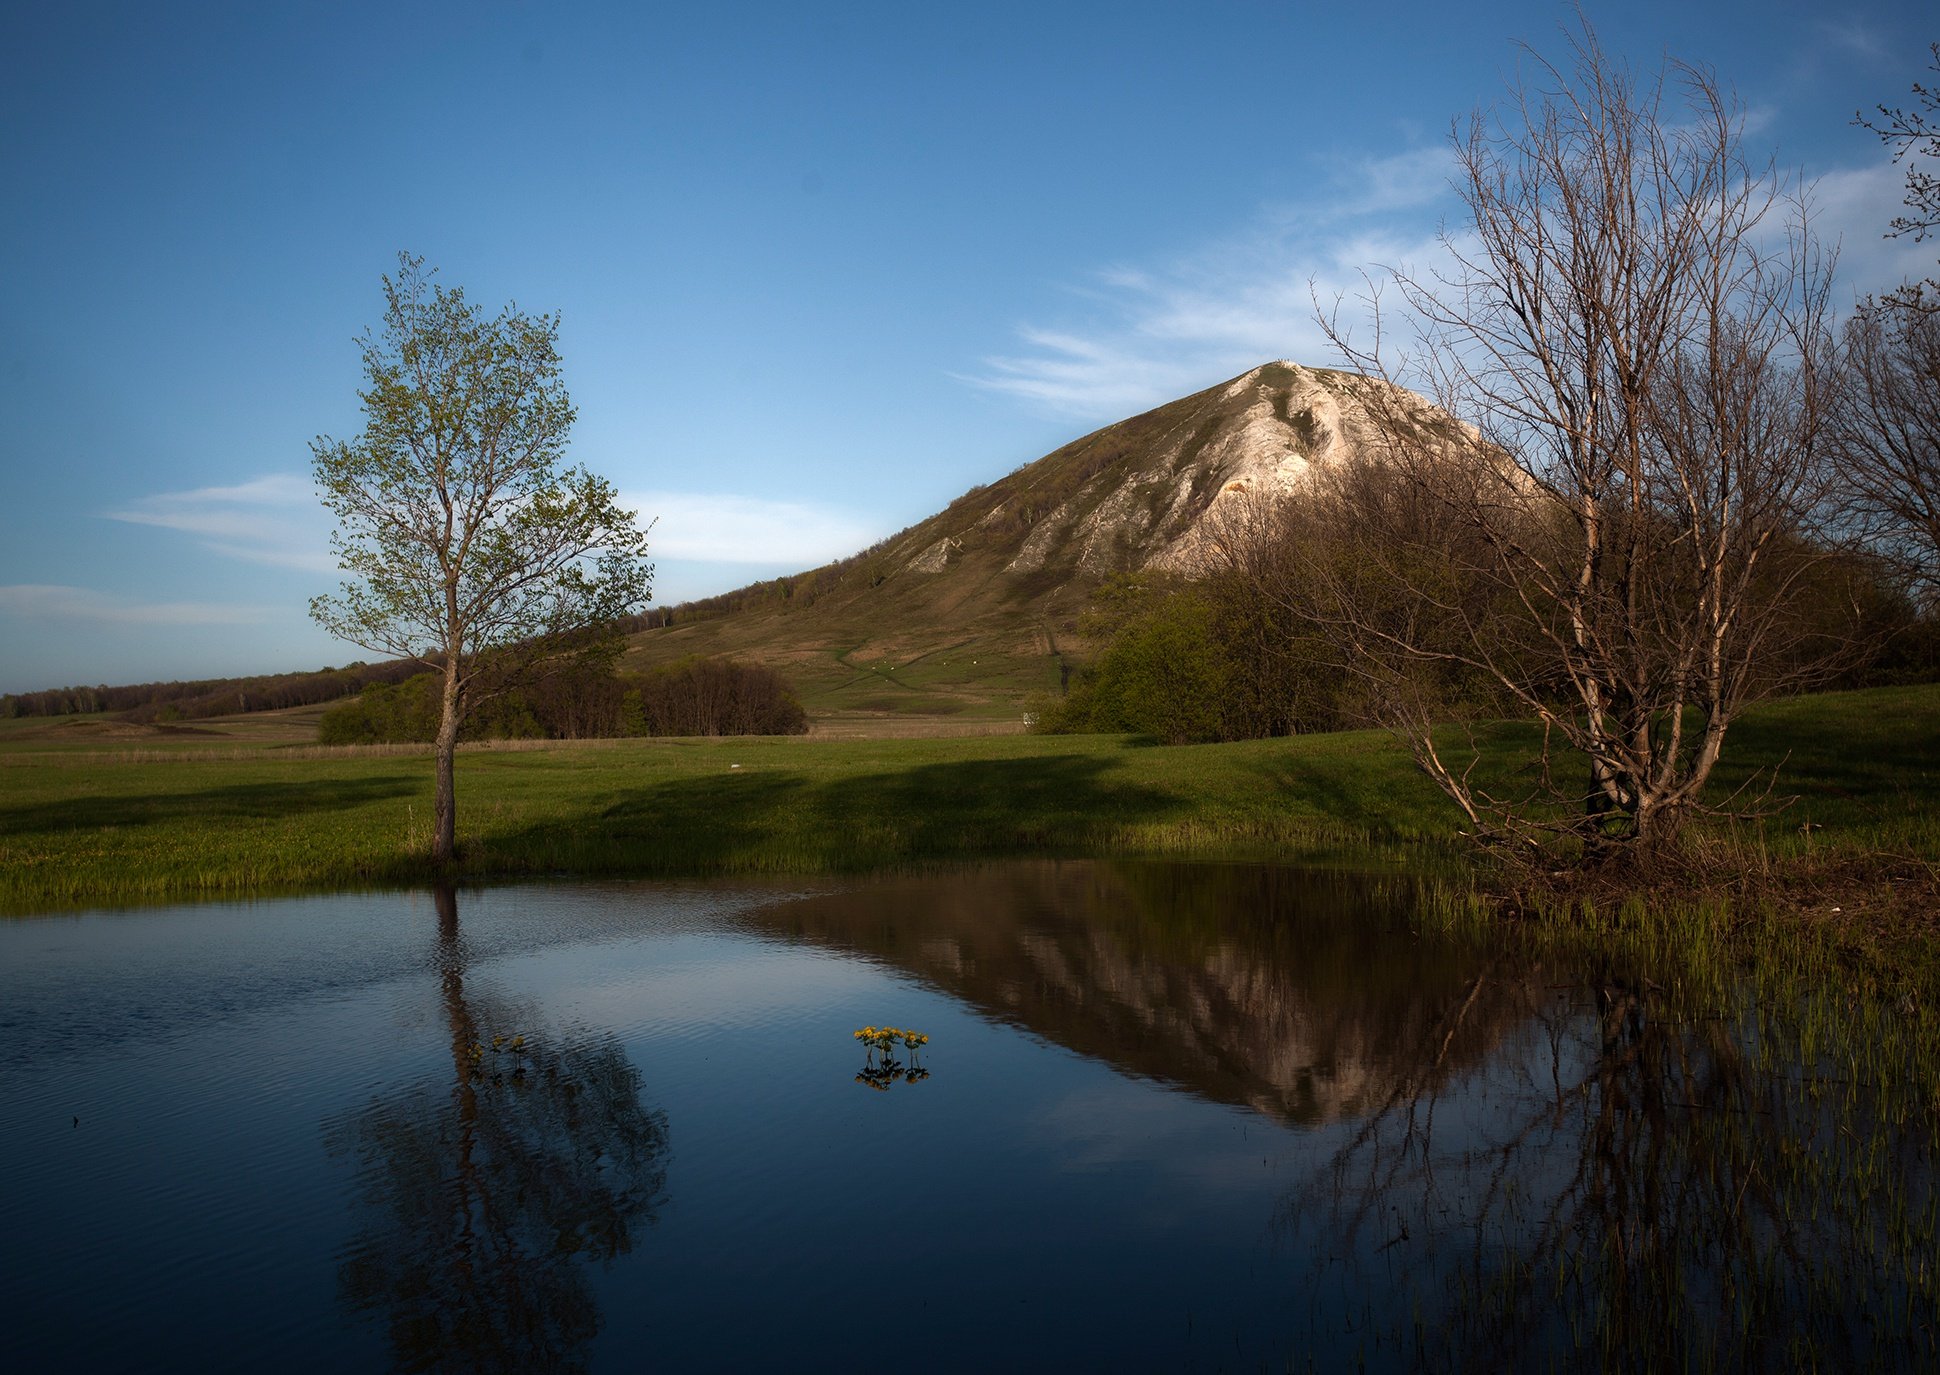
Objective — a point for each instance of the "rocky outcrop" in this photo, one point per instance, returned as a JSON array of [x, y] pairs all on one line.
[[1150, 491]]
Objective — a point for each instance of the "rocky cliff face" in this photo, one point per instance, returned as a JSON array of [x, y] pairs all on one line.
[[1143, 493]]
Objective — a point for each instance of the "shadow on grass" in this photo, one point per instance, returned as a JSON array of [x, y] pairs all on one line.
[[782, 820], [1872, 754], [239, 801]]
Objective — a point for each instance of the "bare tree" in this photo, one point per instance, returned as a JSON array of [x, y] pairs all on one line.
[[1887, 412], [1914, 136], [1886, 429], [1631, 333]]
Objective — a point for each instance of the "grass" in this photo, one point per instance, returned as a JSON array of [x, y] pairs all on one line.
[[1759, 1091], [90, 817], [133, 825]]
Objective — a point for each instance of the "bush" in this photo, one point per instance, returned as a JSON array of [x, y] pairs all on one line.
[[1163, 672]]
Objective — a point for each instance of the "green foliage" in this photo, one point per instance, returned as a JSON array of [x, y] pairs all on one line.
[[385, 714], [1165, 675], [1197, 662], [462, 529], [633, 714], [469, 544]]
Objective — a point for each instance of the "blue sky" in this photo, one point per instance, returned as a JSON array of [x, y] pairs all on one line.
[[821, 266]]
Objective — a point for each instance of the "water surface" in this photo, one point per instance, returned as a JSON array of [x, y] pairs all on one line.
[[1169, 1117]]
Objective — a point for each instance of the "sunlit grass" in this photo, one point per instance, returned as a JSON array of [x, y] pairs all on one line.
[[206, 816]]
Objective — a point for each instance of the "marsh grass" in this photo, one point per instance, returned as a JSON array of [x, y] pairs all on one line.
[[1729, 1164]]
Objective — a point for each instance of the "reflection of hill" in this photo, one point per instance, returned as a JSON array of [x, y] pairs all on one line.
[[1303, 995]]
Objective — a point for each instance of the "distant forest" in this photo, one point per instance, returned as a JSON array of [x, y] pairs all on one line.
[[691, 697], [205, 697], [397, 701]]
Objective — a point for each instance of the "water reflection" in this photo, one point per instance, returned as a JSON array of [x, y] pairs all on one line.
[[882, 1068], [1386, 1150], [1667, 1185], [1304, 995], [1548, 1162], [486, 1196]]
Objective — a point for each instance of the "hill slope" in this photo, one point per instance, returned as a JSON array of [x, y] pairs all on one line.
[[963, 615]]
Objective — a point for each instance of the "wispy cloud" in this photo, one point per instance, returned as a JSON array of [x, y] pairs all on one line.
[[721, 527], [1150, 333], [274, 519], [277, 520], [52, 602], [1143, 334], [1408, 180], [1853, 207], [1853, 36]]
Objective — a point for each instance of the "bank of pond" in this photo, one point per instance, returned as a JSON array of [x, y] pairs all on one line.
[[1135, 1115]]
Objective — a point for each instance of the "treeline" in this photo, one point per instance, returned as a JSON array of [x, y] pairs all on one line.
[[185, 701], [692, 697], [1253, 649]]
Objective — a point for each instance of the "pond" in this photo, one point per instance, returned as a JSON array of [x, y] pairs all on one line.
[[1207, 1117]]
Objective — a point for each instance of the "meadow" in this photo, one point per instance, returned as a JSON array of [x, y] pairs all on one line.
[[1843, 786]]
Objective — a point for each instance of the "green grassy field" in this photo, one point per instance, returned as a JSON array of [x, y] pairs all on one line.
[[93, 815]]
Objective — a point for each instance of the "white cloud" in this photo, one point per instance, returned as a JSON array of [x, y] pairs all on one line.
[[1854, 36], [1158, 332], [1400, 181], [275, 519], [1148, 333], [52, 602], [721, 527], [1853, 207]]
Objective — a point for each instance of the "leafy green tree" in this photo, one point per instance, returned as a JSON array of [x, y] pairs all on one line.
[[1163, 671], [1164, 676], [471, 546]]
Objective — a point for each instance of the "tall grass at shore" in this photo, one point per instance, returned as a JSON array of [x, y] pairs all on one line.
[[1751, 1180]]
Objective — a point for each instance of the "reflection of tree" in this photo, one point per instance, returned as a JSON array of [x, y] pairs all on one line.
[[1664, 1190], [487, 1196]]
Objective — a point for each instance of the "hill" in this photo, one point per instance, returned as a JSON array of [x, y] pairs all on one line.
[[959, 618]]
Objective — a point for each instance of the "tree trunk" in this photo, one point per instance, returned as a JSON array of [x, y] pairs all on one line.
[[444, 837]]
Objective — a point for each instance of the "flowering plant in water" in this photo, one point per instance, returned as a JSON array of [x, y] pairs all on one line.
[[882, 1041]]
